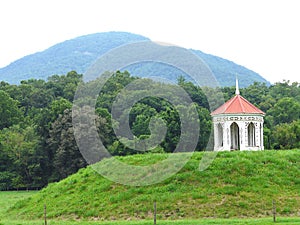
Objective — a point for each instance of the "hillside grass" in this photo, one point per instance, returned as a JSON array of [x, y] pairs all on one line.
[[236, 185], [261, 221], [9, 198]]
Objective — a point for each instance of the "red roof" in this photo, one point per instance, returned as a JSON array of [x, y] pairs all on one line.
[[237, 105]]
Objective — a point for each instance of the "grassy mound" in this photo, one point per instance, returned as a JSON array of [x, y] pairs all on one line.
[[237, 184]]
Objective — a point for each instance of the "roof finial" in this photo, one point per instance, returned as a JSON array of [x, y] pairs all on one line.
[[237, 91]]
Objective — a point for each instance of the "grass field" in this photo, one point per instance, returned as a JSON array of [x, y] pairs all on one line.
[[7, 199], [282, 221], [237, 185]]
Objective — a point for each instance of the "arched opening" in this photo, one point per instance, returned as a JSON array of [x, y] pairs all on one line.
[[220, 135], [235, 136], [251, 135]]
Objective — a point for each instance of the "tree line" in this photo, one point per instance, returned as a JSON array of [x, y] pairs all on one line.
[[37, 142]]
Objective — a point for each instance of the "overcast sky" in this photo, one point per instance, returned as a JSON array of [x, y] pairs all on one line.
[[262, 35]]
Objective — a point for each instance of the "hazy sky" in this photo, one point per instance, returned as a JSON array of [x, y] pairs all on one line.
[[262, 35]]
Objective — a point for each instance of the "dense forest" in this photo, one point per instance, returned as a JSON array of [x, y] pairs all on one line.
[[37, 143]]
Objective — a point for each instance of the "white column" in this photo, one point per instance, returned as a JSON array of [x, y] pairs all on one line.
[[226, 136], [262, 136], [215, 136], [242, 131]]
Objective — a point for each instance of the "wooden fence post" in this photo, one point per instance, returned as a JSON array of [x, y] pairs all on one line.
[[274, 211], [45, 214], [154, 214]]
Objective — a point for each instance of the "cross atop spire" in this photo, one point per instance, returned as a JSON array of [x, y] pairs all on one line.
[[237, 90]]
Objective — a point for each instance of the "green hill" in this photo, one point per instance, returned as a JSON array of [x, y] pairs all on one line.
[[79, 53], [236, 184]]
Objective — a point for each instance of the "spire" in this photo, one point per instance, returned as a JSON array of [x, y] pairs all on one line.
[[237, 91]]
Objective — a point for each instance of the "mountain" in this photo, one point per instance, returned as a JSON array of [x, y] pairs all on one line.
[[79, 53]]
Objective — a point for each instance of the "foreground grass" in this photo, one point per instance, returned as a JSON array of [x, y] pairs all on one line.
[[264, 221], [236, 185], [9, 198]]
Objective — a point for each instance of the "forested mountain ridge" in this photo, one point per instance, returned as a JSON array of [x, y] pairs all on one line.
[[79, 53], [76, 54]]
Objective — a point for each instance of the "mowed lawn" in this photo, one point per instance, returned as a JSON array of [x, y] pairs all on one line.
[[8, 198]]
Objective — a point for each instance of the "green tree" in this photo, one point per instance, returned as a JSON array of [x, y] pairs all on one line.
[[64, 86], [195, 93], [256, 93], [285, 89], [287, 135], [67, 158], [285, 110], [9, 111], [19, 148]]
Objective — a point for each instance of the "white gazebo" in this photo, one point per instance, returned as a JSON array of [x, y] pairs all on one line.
[[238, 125]]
